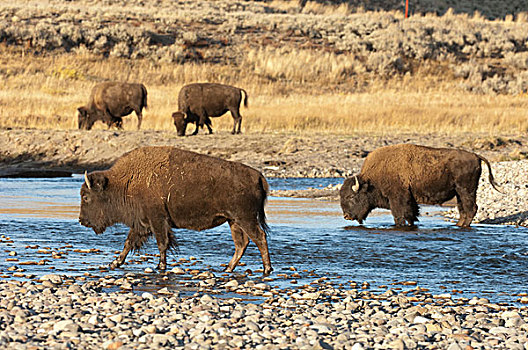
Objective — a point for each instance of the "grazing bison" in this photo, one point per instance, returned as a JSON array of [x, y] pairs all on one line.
[[181, 120], [201, 101], [154, 189], [110, 101], [399, 177]]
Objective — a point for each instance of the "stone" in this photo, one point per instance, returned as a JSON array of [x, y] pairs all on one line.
[[66, 325], [55, 279]]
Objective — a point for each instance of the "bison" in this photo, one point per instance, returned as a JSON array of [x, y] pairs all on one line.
[[181, 120], [200, 101], [155, 189], [399, 177], [110, 101]]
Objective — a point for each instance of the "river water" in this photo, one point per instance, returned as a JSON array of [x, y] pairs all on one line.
[[38, 223]]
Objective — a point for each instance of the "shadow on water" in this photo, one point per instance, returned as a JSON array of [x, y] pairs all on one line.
[[309, 240]]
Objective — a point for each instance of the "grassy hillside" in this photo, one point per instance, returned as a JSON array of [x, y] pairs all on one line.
[[322, 68]]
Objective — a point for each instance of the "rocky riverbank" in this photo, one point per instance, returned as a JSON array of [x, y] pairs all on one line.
[[54, 312]]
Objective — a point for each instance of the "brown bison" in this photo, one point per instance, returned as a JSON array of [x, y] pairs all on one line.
[[110, 101], [155, 189], [201, 101], [399, 177]]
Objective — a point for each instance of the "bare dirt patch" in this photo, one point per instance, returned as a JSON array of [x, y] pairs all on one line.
[[275, 154]]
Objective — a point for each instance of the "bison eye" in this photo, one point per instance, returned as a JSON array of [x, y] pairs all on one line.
[[85, 198]]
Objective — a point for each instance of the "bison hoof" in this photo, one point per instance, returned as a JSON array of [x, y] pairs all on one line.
[[267, 271], [162, 266], [115, 264]]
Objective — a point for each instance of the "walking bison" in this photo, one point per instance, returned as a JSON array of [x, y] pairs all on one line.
[[400, 177], [200, 101], [155, 189], [110, 101]]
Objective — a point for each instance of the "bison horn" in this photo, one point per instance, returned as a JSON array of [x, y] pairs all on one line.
[[86, 180], [355, 187]]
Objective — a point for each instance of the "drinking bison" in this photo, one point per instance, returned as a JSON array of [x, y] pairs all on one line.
[[399, 177], [110, 101], [200, 101], [154, 189]]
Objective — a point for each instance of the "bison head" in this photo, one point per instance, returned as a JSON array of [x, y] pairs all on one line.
[[355, 198], [180, 122], [95, 202], [85, 119]]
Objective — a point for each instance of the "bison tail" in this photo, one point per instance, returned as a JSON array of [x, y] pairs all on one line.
[[245, 97], [491, 178], [144, 100], [261, 215]]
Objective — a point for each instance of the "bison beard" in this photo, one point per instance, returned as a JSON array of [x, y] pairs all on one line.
[[399, 177], [155, 189]]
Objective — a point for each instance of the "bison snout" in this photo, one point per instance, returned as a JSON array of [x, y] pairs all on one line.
[[347, 217]]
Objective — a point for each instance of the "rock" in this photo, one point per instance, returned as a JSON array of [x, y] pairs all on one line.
[[55, 279], [113, 345], [454, 346], [66, 325], [321, 344], [147, 295], [178, 271], [233, 284]]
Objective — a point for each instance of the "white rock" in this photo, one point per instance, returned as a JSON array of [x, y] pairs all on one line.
[[231, 284], [56, 279], [178, 271], [147, 295], [66, 325]]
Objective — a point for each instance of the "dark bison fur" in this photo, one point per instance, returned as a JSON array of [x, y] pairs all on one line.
[[155, 189], [111, 101], [400, 177], [199, 102]]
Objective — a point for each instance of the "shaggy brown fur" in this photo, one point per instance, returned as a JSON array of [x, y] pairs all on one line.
[[154, 189], [201, 101], [399, 177], [110, 101]]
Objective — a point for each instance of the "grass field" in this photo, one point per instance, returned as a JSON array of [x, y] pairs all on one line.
[[303, 93]]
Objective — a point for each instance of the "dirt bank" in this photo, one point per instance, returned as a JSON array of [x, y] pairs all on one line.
[[276, 155]]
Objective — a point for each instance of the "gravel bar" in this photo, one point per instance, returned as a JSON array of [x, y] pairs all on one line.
[[56, 313]]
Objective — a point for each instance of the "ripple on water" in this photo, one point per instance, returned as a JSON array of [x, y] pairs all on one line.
[[310, 235]]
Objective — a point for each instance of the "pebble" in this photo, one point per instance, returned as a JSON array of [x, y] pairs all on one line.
[[323, 317]]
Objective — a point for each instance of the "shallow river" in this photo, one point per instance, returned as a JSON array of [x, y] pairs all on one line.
[[38, 223]]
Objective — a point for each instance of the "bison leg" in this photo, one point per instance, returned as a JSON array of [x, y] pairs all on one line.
[[257, 235], [208, 124], [241, 241], [404, 209], [140, 118], [461, 212], [237, 120], [196, 130], [162, 232], [129, 245], [467, 200]]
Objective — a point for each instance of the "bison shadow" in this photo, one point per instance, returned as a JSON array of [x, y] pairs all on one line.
[[516, 218], [418, 229]]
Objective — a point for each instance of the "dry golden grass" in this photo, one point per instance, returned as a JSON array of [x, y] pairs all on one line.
[[45, 91]]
